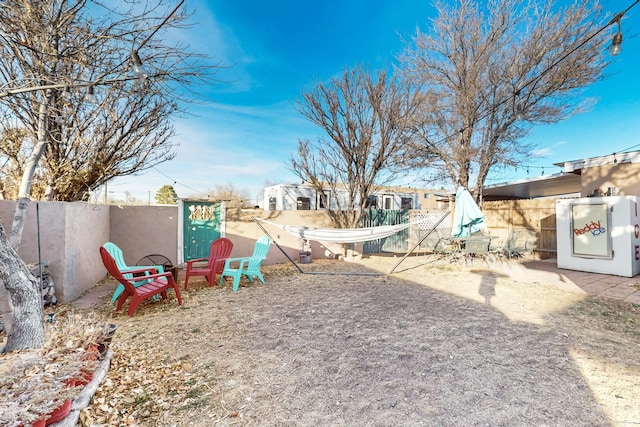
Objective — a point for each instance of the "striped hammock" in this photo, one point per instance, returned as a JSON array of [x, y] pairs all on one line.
[[340, 235]]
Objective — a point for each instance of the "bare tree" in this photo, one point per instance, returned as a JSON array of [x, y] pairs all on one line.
[[62, 45], [490, 72], [234, 197], [54, 52], [13, 153], [84, 151], [363, 118]]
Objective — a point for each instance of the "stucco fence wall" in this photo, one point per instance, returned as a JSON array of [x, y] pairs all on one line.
[[71, 234]]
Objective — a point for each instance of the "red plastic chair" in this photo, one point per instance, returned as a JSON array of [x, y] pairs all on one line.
[[154, 283], [219, 251]]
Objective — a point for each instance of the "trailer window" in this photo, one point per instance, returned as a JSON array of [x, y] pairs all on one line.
[[371, 202], [304, 203], [272, 203], [406, 203], [388, 202], [323, 201]]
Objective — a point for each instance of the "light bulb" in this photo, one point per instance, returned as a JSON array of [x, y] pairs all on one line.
[[616, 45], [136, 65]]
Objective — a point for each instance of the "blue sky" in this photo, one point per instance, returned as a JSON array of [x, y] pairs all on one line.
[[247, 131]]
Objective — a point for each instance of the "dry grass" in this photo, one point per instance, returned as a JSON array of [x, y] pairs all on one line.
[[432, 346]]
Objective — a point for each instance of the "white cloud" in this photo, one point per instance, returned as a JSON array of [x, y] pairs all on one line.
[[541, 152], [241, 145]]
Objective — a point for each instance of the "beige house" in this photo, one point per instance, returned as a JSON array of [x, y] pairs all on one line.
[[615, 174]]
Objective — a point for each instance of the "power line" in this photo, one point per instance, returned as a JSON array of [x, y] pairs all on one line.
[[629, 148], [175, 182]]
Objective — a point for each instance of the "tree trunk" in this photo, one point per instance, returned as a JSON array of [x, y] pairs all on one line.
[[27, 329], [30, 170], [6, 310], [19, 214], [22, 301]]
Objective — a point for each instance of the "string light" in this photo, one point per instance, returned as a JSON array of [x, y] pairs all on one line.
[[528, 168], [517, 105], [139, 71], [616, 43]]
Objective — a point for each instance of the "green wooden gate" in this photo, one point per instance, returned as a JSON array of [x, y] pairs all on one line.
[[202, 224], [398, 242]]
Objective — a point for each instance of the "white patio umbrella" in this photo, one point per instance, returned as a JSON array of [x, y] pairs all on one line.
[[467, 216]]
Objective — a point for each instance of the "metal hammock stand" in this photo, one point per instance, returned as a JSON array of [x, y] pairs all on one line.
[[309, 272], [431, 230], [257, 221]]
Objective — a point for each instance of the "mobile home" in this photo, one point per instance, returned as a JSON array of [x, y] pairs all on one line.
[[284, 197], [291, 197]]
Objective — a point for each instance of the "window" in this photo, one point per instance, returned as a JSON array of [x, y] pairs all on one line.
[[323, 201], [272, 203], [426, 195], [371, 202], [388, 202], [406, 203], [304, 204]]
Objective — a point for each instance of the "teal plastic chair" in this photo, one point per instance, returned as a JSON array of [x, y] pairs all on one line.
[[116, 254], [247, 266]]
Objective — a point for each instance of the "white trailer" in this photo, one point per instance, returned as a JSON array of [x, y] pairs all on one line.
[[284, 197], [287, 197]]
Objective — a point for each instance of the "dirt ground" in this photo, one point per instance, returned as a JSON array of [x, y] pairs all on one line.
[[432, 345]]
